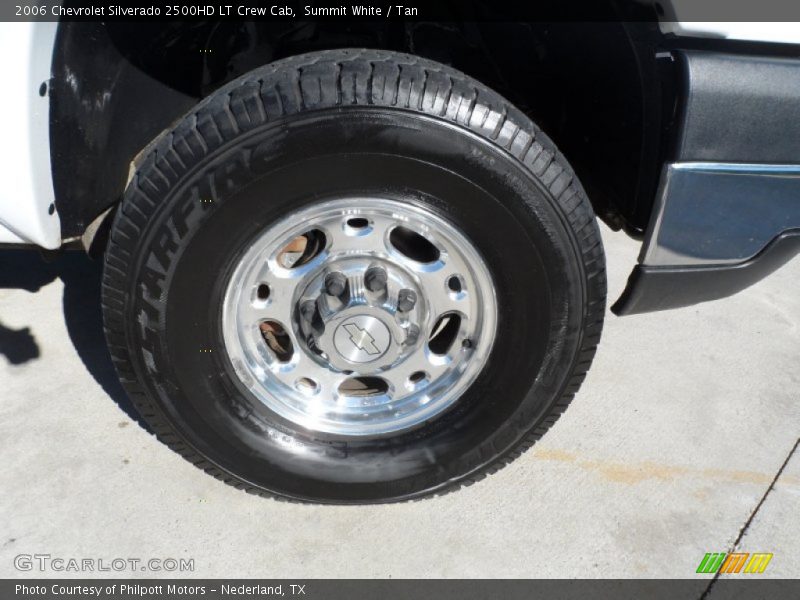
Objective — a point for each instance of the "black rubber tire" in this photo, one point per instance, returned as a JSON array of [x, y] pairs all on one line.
[[332, 123]]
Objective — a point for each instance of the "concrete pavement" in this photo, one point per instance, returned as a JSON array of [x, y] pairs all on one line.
[[672, 449]]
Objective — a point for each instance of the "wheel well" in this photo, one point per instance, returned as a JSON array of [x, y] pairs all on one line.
[[594, 88]]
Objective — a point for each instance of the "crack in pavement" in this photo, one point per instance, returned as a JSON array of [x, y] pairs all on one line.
[[747, 523]]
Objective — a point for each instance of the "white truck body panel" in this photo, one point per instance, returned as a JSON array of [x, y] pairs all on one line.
[[26, 192]]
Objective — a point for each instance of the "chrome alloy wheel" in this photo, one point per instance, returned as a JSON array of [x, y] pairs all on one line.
[[359, 316]]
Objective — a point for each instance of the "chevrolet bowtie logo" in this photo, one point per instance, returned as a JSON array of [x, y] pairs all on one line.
[[361, 339]]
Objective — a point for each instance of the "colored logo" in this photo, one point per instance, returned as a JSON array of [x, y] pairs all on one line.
[[735, 562]]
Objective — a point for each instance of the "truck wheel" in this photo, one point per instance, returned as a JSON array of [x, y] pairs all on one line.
[[353, 276]]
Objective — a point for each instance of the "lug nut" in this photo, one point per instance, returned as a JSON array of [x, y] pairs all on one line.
[[406, 300], [307, 309], [335, 283], [375, 279]]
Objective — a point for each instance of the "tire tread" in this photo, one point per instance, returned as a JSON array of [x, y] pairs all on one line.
[[337, 79]]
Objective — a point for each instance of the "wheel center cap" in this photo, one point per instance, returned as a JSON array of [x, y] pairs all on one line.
[[362, 339]]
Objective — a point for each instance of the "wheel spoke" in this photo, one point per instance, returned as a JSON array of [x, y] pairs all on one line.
[[277, 307], [344, 239], [440, 298], [419, 361]]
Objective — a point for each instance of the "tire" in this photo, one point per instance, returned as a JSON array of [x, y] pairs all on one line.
[[350, 123]]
